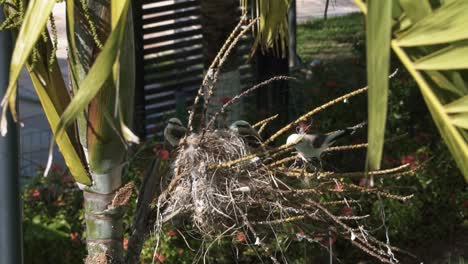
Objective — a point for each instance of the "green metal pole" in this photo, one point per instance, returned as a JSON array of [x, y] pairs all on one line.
[[10, 212]]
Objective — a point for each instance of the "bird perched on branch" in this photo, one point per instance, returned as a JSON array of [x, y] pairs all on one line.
[[311, 146], [247, 132], [174, 132]]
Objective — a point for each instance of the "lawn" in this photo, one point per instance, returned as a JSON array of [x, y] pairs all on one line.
[[331, 38]]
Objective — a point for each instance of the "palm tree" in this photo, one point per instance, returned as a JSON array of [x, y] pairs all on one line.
[[90, 121]]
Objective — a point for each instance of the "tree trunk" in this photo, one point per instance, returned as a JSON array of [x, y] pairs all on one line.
[[219, 18]]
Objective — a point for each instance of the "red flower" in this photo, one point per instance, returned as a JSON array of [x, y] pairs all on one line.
[[240, 237], [225, 100], [35, 193], [347, 211], [172, 232], [159, 257], [125, 243], [410, 159], [163, 154], [74, 237]]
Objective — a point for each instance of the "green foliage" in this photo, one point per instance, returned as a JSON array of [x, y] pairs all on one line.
[[53, 219]]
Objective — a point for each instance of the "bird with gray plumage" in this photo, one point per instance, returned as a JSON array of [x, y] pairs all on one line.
[[311, 146], [174, 132], [247, 132]]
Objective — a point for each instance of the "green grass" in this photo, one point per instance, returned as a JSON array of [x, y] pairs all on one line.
[[329, 38]]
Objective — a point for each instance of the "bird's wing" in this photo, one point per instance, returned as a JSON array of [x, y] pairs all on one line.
[[179, 132], [316, 141]]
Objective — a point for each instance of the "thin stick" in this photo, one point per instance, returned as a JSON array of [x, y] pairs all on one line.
[[264, 121], [212, 66], [245, 93], [362, 145], [347, 147], [331, 174], [280, 162], [280, 221]]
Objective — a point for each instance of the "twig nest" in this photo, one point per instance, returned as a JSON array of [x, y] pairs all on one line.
[[212, 195]]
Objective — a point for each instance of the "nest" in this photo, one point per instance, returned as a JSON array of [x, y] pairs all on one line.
[[212, 196]]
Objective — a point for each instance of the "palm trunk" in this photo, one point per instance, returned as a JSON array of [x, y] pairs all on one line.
[[219, 18], [102, 146], [103, 228]]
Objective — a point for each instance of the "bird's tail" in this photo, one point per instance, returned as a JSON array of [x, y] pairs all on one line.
[[353, 129], [347, 131]]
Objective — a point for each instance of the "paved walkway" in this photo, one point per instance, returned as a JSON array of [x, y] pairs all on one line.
[[310, 9]]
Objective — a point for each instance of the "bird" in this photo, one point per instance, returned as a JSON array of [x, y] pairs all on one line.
[[174, 132], [247, 132], [309, 146]]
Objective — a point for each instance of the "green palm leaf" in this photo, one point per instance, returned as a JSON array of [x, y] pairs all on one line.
[[433, 46], [379, 21], [34, 22]]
